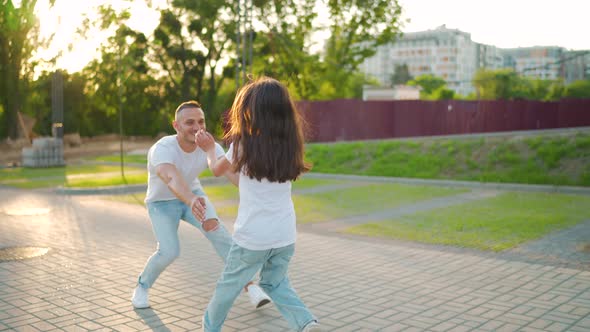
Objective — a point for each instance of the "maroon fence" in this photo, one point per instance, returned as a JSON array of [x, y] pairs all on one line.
[[349, 119]]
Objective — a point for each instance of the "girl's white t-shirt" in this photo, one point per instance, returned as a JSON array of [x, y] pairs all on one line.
[[266, 216]]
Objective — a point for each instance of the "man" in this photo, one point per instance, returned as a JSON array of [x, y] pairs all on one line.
[[174, 192]]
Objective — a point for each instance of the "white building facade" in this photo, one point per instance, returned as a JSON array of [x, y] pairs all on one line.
[[453, 56], [442, 52], [397, 92], [539, 62]]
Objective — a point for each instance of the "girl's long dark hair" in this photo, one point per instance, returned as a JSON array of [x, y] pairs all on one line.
[[266, 131]]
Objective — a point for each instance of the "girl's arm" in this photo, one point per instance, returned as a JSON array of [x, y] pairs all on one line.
[[219, 166], [233, 177]]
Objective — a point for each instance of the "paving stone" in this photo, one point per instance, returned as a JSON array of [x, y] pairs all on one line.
[[99, 248]]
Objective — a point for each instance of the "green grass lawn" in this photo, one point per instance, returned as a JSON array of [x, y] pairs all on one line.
[[307, 183], [225, 192], [496, 224], [325, 206], [116, 180], [128, 158], [229, 192], [70, 176], [75, 176], [35, 173]]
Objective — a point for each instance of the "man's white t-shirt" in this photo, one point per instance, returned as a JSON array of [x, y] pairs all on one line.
[[190, 165], [266, 216]]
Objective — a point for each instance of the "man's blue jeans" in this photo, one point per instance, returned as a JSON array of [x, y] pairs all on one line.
[[241, 265], [165, 217]]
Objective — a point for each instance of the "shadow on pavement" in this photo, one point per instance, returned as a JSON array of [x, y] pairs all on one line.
[[151, 319]]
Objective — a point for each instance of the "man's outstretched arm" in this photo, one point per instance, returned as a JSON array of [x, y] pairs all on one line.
[[172, 178]]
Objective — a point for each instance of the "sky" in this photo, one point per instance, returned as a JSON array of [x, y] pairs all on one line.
[[507, 23], [502, 23], [66, 16]]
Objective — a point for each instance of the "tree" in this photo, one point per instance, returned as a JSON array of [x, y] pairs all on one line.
[[578, 89], [507, 84], [359, 27], [401, 75], [429, 84], [19, 37], [540, 89], [283, 45], [75, 102], [189, 43], [123, 81], [356, 30], [442, 93], [501, 84]]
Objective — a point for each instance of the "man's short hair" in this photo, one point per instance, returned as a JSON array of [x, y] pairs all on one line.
[[187, 104]]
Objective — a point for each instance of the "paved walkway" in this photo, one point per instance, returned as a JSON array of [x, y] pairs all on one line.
[[98, 247]]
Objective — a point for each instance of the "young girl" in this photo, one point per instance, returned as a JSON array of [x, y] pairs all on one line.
[[267, 151]]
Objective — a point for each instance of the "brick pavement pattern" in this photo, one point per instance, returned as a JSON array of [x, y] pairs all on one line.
[[99, 247]]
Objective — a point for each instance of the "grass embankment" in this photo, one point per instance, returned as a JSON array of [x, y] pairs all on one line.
[[555, 160]]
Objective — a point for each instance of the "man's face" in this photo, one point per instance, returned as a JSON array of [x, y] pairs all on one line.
[[188, 122]]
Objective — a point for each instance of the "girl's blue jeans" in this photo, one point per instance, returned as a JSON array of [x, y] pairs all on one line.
[[241, 265]]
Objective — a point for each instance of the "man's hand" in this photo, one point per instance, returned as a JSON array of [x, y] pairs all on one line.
[[204, 140], [198, 208]]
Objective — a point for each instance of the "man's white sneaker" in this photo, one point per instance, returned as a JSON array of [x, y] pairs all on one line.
[[312, 327], [140, 298], [257, 296]]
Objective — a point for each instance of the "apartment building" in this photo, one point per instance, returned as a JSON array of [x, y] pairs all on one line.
[[452, 55], [488, 56], [576, 66], [446, 53], [538, 61]]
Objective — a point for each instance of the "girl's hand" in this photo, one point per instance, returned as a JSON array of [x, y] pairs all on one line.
[[204, 140]]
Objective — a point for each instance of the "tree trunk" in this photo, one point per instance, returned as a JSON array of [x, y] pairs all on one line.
[[12, 100]]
